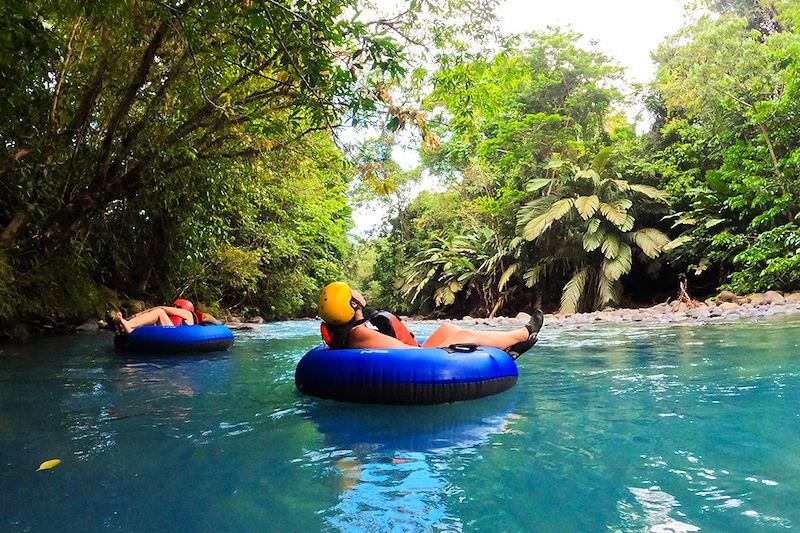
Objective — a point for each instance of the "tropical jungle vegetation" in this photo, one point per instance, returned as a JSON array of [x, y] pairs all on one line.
[[195, 148]]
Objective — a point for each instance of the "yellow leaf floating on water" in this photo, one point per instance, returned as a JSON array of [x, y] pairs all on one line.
[[47, 465]]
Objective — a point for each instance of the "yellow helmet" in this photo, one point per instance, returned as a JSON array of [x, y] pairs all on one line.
[[336, 304]]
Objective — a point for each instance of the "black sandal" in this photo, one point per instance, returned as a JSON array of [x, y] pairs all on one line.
[[533, 327]]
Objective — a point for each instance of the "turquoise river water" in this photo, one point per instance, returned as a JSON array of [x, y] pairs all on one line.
[[661, 428]]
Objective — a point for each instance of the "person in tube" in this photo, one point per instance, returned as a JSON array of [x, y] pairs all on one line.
[[345, 315]]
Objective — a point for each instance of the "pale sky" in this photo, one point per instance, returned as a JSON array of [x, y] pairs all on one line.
[[625, 30]]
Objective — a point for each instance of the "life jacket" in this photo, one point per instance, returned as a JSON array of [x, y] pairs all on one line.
[[336, 337], [179, 321], [390, 325]]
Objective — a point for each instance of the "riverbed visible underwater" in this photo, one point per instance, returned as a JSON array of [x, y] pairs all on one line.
[[613, 427]]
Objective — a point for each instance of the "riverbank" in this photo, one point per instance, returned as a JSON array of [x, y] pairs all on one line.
[[725, 306]]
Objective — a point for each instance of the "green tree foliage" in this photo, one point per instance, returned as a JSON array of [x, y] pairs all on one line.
[[188, 147], [728, 149], [515, 125]]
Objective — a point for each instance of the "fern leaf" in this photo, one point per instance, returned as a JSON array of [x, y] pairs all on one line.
[[680, 241]]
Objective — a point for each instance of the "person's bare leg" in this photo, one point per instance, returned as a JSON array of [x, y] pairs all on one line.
[[448, 334], [146, 318], [440, 334]]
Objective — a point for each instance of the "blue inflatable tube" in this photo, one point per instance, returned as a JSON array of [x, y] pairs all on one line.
[[180, 339], [412, 376]]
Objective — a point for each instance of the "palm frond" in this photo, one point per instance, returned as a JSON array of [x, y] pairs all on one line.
[[501, 283], [628, 224], [532, 275], [615, 268], [613, 213], [587, 206], [650, 240], [590, 174], [444, 296], [623, 204], [650, 192], [601, 159], [533, 209], [593, 239], [573, 290], [610, 246], [608, 291], [542, 223], [537, 183], [671, 245]]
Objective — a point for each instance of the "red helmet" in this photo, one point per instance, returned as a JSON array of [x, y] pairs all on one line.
[[184, 304]]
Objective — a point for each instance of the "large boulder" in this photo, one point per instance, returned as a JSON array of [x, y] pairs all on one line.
[[774, 298], [727, 296], [255, 320], [793, 298], [728, 307], [757, 299], [525, 317], [701, 312]]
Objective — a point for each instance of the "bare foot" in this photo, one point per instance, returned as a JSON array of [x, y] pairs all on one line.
[[122, 322]]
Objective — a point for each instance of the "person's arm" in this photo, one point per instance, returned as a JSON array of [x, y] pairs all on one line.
[[365, 338]]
